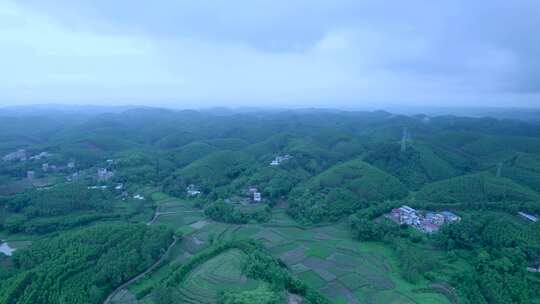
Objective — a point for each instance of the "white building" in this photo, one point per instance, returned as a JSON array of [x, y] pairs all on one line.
[[192, 190], [279, 159], [257, 197], [41, 155], [98, 187]]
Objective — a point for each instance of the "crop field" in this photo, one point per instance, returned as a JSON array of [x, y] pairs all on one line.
[[344, 270], [174, 212], [326, 258], [222, 273]]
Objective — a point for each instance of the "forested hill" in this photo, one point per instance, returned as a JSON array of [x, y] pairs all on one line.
[[223, 151], [86, 188]]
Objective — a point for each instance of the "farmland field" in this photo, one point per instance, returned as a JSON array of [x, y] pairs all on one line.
[[325, 258]]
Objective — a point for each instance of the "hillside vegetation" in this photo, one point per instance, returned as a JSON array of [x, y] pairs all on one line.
[[481, 187], [342, 189], [271, 206], [82, 266]]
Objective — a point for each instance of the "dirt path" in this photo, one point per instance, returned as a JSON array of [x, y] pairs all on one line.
[[142, 274], [154, 218]]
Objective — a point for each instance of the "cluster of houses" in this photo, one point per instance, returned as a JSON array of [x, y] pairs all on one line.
[[46, 167], [17, 155], [104, 174], [138, 197], [21, 155], [251, 195], [279, 159], [428, 222], [41, 155]]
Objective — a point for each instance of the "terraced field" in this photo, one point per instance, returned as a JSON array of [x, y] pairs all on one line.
[[326, 258], [222, 273], [176, 213]]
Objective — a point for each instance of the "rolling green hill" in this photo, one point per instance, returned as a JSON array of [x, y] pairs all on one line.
[[183, 156], [475, 188], [523, 168], [417, 165], [217, 168], [342, 189]]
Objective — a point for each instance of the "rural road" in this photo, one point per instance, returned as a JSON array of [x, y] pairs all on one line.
[[142, 274], [154, 218]]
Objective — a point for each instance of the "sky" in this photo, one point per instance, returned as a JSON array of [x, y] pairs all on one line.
[[294, 53]]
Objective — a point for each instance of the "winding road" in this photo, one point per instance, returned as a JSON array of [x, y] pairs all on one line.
[[142, 274], [149, 269]]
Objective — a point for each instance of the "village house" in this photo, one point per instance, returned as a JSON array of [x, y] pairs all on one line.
[[40, 156], [279, 159], [192, 190], [103, 174], [435, 218], [406, 215], [428, 226], [257, 197], [30, 174], [45, 167], [138, 197], [71, 165]]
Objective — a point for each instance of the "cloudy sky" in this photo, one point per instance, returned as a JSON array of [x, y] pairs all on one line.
[[331, 53]]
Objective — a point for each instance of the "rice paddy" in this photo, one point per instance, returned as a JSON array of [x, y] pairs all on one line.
[[325, 258]]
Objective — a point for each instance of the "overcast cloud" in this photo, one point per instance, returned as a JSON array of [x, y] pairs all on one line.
[[336, 53]]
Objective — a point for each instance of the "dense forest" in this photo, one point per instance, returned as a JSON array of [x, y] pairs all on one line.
[[83, 204], [82, 266]]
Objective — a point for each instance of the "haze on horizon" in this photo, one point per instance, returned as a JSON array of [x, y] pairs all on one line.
[[316, 53]]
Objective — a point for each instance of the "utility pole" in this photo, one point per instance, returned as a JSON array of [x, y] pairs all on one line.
[[404, 139], [499, 169]]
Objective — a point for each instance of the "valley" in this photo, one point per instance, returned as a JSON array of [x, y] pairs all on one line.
[[156, 206]]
